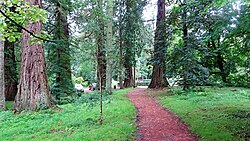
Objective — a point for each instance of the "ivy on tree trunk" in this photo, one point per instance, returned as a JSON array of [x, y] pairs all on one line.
[[60, 56], [10, 71], [159, 68]]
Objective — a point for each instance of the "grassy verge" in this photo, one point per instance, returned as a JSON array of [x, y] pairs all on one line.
[[73, 122], [214, 114]]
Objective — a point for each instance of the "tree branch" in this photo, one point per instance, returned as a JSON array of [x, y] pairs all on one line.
[[20, 26]]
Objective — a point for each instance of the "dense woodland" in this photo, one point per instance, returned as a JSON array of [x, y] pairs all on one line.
[[46, 47]]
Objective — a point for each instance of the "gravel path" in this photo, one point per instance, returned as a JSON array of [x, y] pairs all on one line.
[[156, 123]]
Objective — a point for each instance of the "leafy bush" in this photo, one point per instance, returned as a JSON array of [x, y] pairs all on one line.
[[93, 99], [79, 80], [239, 80]]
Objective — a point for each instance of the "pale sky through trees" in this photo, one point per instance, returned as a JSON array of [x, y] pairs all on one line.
[[150, 12]]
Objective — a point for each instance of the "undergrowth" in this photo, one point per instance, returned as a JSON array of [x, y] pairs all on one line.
[[213, 113], [73, 122]]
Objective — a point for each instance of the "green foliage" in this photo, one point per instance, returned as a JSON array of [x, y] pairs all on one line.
[[215, 47], [69, 122], [22, 14], [8, 105], [59, 52], [93, 99], [239, 80], [213, 113]]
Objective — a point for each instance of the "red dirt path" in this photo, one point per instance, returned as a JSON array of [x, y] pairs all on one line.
[[154, 122]]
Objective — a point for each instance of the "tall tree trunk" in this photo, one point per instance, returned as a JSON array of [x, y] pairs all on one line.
[[63, 86], [109, 46], [219, 61], [120, 48], [2, 96], [159, 68], [33, 89], [10, 71], [128, 81], [101, 53], [129, 34], [185, 38], [120, 59]]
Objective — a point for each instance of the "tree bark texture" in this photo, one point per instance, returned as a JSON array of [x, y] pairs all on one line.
[[2, 96], [220, 62], [33, 89], [101, 53], [159, 68], [109, 45], [128, 81], [128, 43], [120, 48], [10, 71]]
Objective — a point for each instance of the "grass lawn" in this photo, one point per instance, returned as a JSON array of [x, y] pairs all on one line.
[[73, 122], [214, 114]]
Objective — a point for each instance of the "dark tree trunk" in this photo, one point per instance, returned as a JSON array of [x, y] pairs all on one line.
[[128, 43], [219, 61], [101, 53], [128, 81], [10, 72], [186, 84], [159, 68], [120, 57], [33, 89]]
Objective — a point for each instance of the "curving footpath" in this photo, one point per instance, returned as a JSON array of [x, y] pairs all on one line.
[[154, 122]]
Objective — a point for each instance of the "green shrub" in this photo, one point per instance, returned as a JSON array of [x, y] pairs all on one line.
[[239, 80]]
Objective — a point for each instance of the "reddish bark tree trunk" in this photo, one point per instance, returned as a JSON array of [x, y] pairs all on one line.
[[128, 43], [10, 72], [159, 68], [129, 80], [33, 89]]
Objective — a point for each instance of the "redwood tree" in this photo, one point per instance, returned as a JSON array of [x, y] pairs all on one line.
[[159, 68], [128, 42], [33, 89]]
